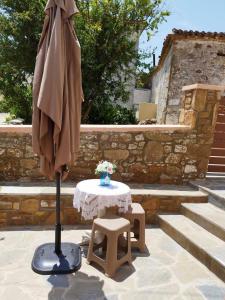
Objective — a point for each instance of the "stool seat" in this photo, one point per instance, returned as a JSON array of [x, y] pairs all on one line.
[[111, 222], [135, 208]]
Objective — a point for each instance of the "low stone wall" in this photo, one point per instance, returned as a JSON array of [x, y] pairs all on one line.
[[161, 154], [147, 154], [21, 210]]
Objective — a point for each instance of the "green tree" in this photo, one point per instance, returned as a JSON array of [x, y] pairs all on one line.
[[20, 27], [108, 31]]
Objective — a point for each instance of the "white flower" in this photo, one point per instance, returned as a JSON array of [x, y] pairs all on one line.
[[105, 166]]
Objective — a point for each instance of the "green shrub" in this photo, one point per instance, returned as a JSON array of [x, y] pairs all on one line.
[[106, 113]]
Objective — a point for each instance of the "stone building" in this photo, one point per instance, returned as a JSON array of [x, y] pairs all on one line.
[[187, 57]]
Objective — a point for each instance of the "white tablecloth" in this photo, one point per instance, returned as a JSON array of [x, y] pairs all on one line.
[[90, 197]]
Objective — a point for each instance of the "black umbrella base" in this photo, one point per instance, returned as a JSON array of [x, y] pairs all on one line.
[[47, 262]]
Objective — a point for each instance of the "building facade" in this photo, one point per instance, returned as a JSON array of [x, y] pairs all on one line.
[[187, 57]]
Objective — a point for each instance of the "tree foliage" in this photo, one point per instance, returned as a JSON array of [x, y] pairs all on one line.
[[20, 27], [108, 31]]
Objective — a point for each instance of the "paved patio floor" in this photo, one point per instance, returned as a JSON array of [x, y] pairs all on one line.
[[166, 271]]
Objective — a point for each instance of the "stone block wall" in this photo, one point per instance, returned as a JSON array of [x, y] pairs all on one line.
[[146, 154], [160, 85], [190, 60], [35, 210], [39, 209], [194, 61], [153, 154]]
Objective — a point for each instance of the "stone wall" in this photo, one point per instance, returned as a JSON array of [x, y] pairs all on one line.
[[189, 61], [160, 85], [39, 209], [146, 154], [195, 61]]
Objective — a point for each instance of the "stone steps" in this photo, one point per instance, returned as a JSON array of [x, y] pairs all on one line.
[[215, 175], [206, 215], [34, 203], [202, 244], [214, 187]]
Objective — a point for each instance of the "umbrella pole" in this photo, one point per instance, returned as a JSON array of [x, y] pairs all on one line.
[[57, 258], [58, 223]]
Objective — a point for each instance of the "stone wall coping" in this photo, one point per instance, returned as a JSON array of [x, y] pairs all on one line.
[[154, 190], [103, 128], [203, 87]]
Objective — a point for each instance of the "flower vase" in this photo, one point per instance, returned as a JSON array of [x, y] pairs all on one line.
[[104, 178]]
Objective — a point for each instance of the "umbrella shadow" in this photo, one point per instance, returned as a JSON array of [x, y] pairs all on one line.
[[79, 286]]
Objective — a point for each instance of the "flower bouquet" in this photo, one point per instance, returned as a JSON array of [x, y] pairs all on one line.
[[105, 169]]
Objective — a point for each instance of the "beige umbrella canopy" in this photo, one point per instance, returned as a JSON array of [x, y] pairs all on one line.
[[57, 97], [57, 90]]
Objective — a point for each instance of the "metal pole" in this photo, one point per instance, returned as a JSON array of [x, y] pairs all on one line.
[[153, 55], [58, 224]]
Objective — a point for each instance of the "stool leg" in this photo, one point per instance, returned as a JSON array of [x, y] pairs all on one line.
[[91, 245], [142, 235], [111, 255], [136, 228], [129, 248]]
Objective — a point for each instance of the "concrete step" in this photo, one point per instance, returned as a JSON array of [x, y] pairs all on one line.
[[215, 175], [206, 247], [34, 203], [206, 215], [215, 187]]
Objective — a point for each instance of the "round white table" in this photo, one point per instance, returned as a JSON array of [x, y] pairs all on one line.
[[92, 198]]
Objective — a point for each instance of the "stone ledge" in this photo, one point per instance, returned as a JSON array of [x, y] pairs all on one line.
[[136, 189], [168, 193], [104, 128], [200, 86], [24, 207], [33, 191]]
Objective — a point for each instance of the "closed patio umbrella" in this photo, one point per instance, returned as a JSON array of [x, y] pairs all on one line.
[[57, 97]]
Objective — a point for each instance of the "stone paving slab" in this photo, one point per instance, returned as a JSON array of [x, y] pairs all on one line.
[[166, 271]]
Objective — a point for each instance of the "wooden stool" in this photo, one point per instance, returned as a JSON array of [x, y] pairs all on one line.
[[112, 227], [136, 216]]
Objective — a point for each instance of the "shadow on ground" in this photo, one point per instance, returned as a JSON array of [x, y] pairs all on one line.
[[73, 287]]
